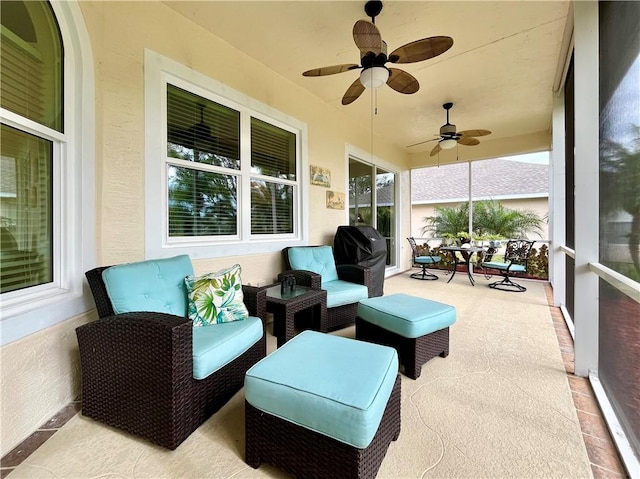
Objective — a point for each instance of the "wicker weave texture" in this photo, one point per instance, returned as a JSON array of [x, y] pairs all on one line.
[[307, 454], [413, 353], [340, 316], [285, 311], [137, 370]]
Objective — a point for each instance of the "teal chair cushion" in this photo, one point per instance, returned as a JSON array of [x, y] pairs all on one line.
[[341, 292], [332, 385], [405, 315], [318, 259], [152, 285], [216, 345], [515, 268], [427, 259]]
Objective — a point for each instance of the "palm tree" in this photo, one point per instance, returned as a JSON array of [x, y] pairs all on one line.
[[447, 220], [492, 217], [489, 217]]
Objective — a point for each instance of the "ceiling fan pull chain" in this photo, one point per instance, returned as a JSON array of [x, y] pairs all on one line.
[[375, 109]]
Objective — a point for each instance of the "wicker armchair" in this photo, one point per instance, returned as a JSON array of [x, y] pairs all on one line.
[[137, 369], [338, 316]]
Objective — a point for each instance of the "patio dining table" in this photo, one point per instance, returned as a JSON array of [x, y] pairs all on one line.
[[466, 253]]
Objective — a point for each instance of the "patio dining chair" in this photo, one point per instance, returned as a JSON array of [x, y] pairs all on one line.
[[516, 258], [422, 260]]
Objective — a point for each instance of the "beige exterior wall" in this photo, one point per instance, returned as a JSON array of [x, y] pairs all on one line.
[[539, 205], [120, 31], [40, 373]]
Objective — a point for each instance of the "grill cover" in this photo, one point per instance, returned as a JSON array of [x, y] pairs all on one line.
[[364, 246]]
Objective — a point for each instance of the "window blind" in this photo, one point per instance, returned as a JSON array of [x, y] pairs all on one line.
[[201, 130], [25, 206], [201, 203], [273, 150], [271, 208], [31, 66]]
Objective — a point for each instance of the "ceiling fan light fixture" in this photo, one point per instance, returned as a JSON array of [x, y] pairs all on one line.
[[448, 144], [374, 77]]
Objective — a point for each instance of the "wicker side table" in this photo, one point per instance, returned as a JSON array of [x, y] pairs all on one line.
[[284, 308]]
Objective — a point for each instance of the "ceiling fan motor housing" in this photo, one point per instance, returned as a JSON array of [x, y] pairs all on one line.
[[448, 130]]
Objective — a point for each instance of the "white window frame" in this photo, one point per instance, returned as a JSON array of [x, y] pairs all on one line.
[[160, 70], [29, 310]]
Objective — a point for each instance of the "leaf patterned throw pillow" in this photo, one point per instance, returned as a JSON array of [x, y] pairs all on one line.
[[216, 297]]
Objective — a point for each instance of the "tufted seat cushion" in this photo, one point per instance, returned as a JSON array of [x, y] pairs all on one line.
[[154, 285], [318, 259], [336, 386]]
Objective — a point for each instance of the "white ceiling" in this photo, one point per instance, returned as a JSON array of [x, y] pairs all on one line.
[[499, 73]]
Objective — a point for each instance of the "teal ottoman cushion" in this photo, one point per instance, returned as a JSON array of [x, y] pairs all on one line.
[[408, 316], [332, 385]]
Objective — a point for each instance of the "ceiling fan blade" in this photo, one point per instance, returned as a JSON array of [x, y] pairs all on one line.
[[423, 142], [353, 92], [367, 37], [468, 141], [474, 133], [332, 70], [402, 81], [421, 50], [436, 150]]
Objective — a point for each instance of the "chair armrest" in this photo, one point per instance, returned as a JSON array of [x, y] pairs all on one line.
[[126, 346], [355, 273], [255, 299], [303, 278]]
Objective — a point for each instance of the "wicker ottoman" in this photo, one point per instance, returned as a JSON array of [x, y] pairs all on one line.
[[323, 406], [416, 327]]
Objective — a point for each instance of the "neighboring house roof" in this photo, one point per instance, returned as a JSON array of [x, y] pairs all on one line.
[[384, 197], [496, 178]]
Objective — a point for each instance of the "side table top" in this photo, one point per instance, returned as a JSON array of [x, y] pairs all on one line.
[[274, 294]]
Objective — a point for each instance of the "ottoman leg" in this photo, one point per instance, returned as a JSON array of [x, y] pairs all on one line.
[[252, 439], [412, 352], [413, 371]]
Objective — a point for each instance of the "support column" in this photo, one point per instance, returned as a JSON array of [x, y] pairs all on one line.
[[586, 185]]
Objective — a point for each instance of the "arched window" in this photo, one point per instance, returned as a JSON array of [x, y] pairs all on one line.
[[45, 165], [31, 66]]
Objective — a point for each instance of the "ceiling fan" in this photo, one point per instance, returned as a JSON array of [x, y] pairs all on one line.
[[373, 57], [449, 137], [199, 137]]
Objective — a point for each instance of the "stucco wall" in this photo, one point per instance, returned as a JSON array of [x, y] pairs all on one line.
[[40, 373], [120, 31]]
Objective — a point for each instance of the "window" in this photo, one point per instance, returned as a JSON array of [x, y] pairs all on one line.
[[231, 181], [31, 49], [46, 165]]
